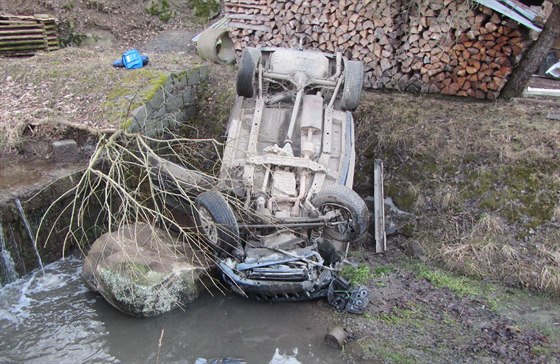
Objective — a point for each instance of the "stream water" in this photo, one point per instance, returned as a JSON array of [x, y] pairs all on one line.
[[54, 318], [6, 260], [30, 233]]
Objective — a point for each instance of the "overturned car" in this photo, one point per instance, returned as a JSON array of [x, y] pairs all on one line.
[[284, 209]]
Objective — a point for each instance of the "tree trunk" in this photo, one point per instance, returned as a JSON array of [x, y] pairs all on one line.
[[534, 56]]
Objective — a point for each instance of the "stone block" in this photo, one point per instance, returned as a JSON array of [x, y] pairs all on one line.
[[66, 151], [133, 282], [204, 71], [176, 119], [193, 77], [139, 116], [36, 148], [188, 96], [173, 103], [190, 112], [179, 81], [168, 85], [134, 127], [156, 114], [157, 100]]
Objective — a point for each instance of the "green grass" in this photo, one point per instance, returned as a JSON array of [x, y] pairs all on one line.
[[460, 285], [382, 270], [358, 275]]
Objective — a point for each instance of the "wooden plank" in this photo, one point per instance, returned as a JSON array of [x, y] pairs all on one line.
[[21, 41], [379, 207], [526, 100], [20, 37], [42, 17], [247, 6], [25, 35], [535, 91], [19, 25], [522, 9], [23, 31], [248, 17], [249, 2], [15, 21], [239, 25], [18, 54], [510, 13], [21, 48]]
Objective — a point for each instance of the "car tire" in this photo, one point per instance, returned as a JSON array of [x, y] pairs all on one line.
[[352, 207], [353, 84], [246, 73], [216, 221]]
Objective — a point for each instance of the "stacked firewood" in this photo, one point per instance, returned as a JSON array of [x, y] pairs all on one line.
[[440, 46]]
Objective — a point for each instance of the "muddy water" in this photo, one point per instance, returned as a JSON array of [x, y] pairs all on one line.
[[54, 318]]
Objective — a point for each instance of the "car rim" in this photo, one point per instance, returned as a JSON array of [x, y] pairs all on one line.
[[343, 222], [208, 226]]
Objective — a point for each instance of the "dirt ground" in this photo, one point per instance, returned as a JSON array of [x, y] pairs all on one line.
[[473, 268], [421, 314]]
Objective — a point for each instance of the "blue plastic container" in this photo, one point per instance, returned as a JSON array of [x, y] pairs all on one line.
[[119, 62], [132, 59]]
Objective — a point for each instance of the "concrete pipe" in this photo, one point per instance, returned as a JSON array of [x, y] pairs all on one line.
[[215, 45]]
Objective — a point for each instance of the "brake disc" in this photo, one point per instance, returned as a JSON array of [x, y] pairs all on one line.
[[342, 296]]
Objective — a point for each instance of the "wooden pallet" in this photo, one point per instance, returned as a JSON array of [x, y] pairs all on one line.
[[22, 36]]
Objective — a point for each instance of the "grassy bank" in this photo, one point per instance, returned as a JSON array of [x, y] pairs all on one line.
[[481, 179], [45, 94], [421, 314]]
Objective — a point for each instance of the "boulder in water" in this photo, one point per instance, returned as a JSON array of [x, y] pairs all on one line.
[[143, 272]]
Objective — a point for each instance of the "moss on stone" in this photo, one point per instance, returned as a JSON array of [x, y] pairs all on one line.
[[137, 88]]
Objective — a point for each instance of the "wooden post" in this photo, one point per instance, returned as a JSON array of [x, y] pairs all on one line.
[[379, 208]]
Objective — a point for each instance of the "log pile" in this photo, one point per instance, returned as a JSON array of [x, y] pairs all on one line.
[[22, 36], [441, 46]]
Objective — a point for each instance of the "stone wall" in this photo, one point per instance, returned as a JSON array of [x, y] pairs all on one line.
[[35, 199], [171, 105]]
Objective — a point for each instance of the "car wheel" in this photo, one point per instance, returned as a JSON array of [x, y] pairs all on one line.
[[353, 84], [216, 221], [246, 73], [352, 213]]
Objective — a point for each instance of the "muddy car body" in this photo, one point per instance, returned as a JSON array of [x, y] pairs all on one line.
[[285, 205]]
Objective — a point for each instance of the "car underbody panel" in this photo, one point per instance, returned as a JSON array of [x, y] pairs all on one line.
[[254, 154], [284, 210]]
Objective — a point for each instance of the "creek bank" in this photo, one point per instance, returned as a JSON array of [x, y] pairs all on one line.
[[149, 101], [38, 186], [421, 314]]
